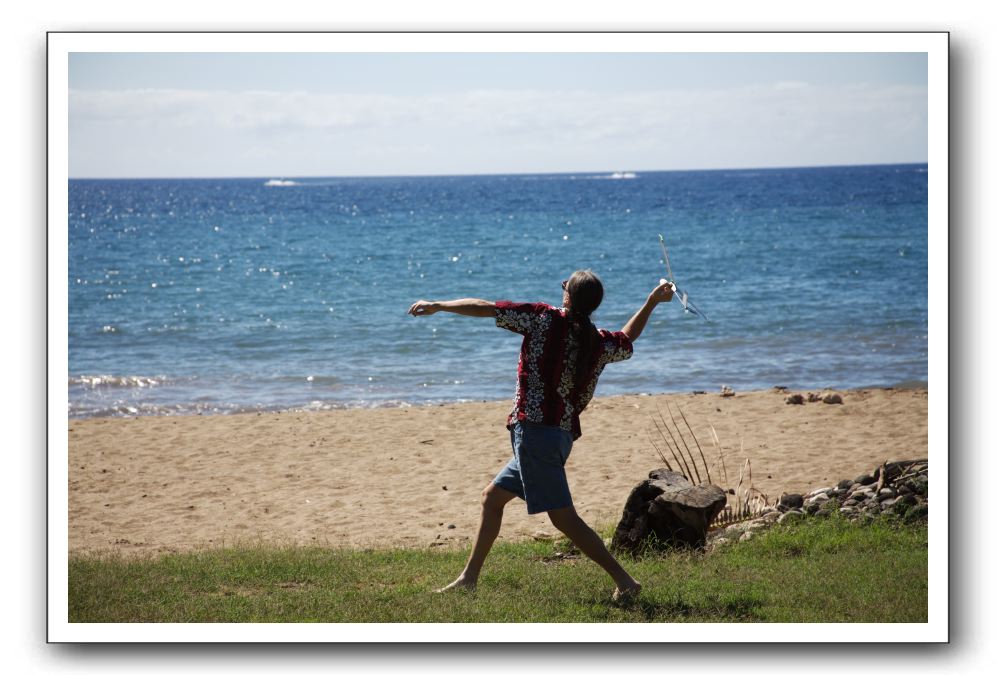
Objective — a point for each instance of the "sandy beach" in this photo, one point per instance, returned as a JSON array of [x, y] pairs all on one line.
[[411, 477]]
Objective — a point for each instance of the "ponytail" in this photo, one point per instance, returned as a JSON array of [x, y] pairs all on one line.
[[585, 292], [586, 336]]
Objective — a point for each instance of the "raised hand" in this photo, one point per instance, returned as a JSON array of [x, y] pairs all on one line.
[[663, 293]]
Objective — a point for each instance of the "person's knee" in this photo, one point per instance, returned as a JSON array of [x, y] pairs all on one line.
[[565, 519], [491, 499]]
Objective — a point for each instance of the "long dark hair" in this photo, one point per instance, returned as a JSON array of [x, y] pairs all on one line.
[[585, 291]]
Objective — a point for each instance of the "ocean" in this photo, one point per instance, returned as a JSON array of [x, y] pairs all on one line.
[[274, 293]]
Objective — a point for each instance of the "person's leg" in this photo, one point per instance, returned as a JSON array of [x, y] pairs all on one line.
[[570, 523], [493, 501]]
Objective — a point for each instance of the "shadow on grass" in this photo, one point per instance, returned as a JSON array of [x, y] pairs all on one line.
[[710, 609]]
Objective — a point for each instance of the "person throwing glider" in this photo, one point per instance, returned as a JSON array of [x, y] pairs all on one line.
[[561, 358]]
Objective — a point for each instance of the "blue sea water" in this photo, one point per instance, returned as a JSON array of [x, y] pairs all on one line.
[[215, 296]]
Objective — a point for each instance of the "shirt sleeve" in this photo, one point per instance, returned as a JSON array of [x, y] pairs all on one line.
[[618, 346], [519, 317]]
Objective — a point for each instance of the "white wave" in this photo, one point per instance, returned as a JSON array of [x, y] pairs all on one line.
[[616, 175], [279, 182], [82, 409], [114, 381]]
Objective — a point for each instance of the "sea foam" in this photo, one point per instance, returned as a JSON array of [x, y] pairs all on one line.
[[116, 382]]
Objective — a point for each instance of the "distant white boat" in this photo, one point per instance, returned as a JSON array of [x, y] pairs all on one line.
[[617, 175], [279, 182]]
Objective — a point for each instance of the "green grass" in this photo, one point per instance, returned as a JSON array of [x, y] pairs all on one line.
[[827, 570]]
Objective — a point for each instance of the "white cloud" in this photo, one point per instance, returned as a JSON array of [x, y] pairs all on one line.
[[500, 130]]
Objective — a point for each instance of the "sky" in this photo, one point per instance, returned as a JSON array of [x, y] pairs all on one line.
[[134, 115]]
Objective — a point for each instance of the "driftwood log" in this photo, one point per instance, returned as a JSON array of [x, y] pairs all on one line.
[[666, 511]]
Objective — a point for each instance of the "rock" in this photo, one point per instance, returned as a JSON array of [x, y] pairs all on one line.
[[886, 503], [904, 490], [833, 398], [667, 511], [733, 532], [893, 469], [819, 499], [790, 517], [871, 506], [451, 526], [845, 484], [794, 399], [845, 510], [850, 504], [886, 493], [918, 512], [811, 508], [747, 536], [813, 398], [858, 496], [901, 507], [821, 491], [865, 479], [790, 501]]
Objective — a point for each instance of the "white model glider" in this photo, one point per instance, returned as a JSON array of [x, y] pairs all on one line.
[[686, 304]]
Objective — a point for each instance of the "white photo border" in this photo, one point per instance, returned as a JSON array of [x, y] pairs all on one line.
[[62, 44]]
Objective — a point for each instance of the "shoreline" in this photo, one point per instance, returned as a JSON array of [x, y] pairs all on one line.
[[367, 404], [401, 476]]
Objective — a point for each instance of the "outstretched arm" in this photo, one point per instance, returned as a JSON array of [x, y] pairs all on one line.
[[465, 306], [634, 327]]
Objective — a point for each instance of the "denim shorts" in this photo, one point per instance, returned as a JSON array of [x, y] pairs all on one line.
[[536, 471]]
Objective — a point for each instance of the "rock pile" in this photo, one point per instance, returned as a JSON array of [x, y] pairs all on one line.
[[897, 488]]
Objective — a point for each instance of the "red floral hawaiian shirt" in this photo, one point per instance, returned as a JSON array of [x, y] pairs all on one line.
[[546, 391]]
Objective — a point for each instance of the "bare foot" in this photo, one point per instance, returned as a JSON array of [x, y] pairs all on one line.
[[627, 593], [460, 583]]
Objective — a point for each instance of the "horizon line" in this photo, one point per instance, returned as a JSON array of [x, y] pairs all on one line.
[[486, 175]]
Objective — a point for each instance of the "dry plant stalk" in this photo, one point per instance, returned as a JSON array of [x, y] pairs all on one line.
[[701, 454], [749, 500], [675, 453], [660, 453], [670, 435], [698, 479], [719, 450]]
